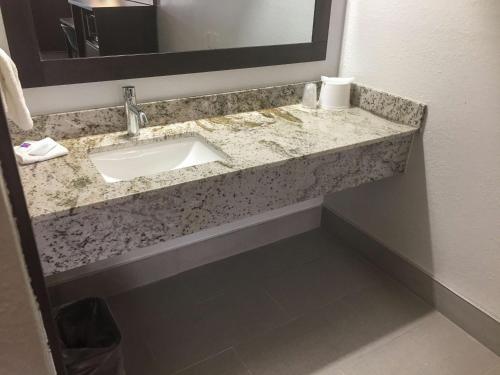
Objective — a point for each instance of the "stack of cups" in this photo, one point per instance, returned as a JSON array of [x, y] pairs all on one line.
[[335, 93]]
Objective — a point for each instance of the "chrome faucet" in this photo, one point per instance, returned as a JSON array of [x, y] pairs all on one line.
[[135, 117]]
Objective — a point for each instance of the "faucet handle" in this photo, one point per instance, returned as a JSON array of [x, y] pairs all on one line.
[[143, 118], [128, 92]]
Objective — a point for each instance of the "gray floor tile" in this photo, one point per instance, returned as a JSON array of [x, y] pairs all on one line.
[[446, 346], [164, 297], [393, 358], [318, 283], [494, 371], [225, 363], [254, 267], [434, 346], [138, 358], [387, 309], [310, 344], [196, 333]]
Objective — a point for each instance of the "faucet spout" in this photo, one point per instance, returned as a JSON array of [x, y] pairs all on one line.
[[135, 117]]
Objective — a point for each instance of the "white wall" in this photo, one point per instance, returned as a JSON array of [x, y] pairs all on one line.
[[444, 215], [23, 348], [100, 94], [209, 24]]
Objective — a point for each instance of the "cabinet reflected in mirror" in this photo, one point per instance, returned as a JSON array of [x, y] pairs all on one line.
[[92, 28]]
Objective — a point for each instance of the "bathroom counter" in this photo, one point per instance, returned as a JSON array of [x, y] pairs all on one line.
[[275, 157], [250, 140]]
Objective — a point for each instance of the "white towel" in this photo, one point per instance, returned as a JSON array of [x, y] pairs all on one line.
[[23, 152], [12, 93]]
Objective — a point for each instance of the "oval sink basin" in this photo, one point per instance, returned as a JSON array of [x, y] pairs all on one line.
[[127, 163]]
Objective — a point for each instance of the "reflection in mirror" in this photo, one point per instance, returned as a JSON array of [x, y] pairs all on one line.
[[92, 28]]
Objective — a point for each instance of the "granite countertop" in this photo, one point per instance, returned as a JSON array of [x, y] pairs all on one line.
[[255, 139]]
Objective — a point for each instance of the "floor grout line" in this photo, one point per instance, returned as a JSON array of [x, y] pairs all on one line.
[[209, 357], [279, 305], [238, 356]]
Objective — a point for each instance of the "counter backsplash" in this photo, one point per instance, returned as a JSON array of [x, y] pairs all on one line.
[[112, 119]]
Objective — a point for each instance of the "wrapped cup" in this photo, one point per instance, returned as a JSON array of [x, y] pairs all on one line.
[[335, 93]]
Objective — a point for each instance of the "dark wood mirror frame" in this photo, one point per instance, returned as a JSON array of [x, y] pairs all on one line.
[[35, 72]]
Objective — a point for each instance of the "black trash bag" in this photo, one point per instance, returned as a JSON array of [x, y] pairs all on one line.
[[90, 338]]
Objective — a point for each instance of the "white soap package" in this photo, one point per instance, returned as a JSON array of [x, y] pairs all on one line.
[[30, 152]]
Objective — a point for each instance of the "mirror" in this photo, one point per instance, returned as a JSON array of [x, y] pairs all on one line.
[[94, 28], [57, 42]]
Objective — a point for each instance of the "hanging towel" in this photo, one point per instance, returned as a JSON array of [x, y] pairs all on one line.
[[12, 93]]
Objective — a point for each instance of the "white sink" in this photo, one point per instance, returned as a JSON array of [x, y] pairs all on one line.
[[127, 163]]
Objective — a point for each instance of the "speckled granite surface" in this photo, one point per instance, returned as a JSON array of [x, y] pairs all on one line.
[[112, 119], [275, 157], [389, 106]]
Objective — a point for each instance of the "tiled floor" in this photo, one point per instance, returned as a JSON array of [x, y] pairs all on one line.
[[304, 305]]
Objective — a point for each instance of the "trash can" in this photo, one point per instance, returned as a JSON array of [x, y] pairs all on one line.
[[90, 338]]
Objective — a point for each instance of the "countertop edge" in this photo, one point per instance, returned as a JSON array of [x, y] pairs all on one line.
[[127, 198]]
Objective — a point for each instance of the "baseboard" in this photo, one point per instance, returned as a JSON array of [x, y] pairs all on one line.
[[146, 266], [476, 322]]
